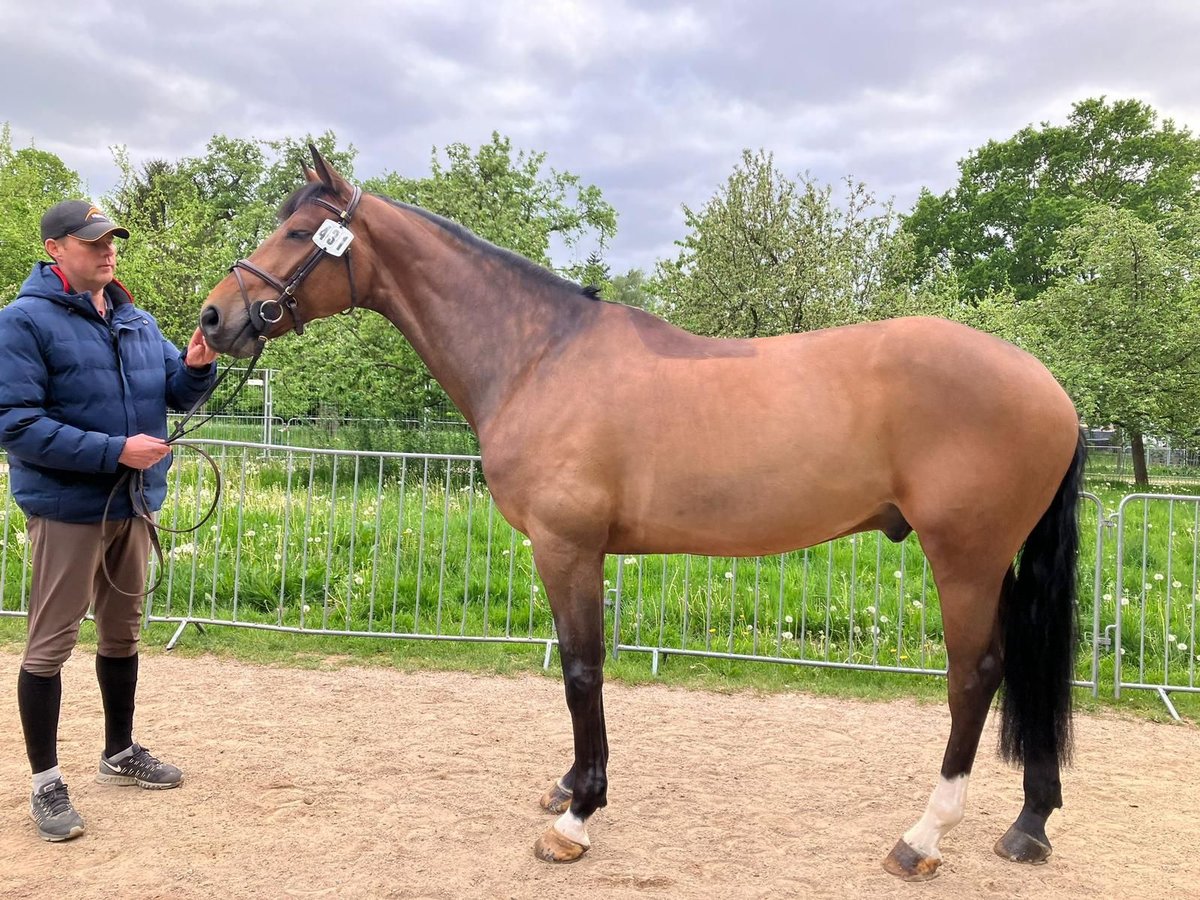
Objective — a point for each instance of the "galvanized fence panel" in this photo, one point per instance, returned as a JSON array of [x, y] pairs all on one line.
[[1156, 591], [408, 545]]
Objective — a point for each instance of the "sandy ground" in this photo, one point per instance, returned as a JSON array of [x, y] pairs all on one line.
[[376, 783]]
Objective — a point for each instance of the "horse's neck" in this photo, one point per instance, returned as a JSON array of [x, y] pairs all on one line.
[[475, 319]]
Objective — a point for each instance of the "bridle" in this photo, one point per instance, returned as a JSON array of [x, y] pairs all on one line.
[[265, 313], [261, 316]]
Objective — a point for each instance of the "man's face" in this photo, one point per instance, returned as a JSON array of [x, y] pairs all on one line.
[[87, 265]]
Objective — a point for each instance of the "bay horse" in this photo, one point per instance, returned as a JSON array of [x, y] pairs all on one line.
[[606, 430]]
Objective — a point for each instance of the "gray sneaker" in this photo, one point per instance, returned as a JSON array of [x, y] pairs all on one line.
[[52, 812], [141, 769]]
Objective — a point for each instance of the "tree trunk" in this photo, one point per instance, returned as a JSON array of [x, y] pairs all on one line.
[[1137, 450]]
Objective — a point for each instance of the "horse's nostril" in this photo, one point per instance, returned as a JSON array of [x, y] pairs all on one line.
[[210, 319]]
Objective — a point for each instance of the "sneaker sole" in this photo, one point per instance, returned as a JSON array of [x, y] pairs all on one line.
[[55, 838], [127, 780]]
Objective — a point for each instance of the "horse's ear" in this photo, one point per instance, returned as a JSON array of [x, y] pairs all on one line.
[[324, 173], [309, 174]]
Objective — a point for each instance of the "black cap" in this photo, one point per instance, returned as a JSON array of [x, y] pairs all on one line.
[[78, 218]]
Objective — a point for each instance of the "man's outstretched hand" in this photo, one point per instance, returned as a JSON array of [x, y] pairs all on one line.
[[199, 354]]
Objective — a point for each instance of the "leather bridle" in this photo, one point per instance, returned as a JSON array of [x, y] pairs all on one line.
[[265, 313]]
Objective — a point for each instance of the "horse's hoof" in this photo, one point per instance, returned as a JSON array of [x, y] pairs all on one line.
[[553, 846], [905, 862], [557, 799], [1021, 847]]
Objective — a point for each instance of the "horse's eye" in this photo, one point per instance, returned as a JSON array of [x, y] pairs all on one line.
[[298, 234]]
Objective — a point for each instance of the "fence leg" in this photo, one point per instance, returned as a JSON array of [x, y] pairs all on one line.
[[179, 633], [546, 658], [1162, 692]]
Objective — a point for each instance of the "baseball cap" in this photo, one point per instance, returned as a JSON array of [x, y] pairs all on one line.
[[78, 218]]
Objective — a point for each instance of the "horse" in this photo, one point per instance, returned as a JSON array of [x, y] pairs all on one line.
[[604, 429]]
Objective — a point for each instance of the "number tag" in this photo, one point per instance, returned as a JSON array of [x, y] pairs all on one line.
[[333, 238]]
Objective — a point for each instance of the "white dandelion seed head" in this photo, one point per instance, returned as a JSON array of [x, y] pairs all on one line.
[[1107, 598], [527, 543], [788, 619]]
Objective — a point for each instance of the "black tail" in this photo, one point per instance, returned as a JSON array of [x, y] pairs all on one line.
[[1040, 631]]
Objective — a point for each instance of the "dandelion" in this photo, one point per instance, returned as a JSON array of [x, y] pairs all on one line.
[[1171, 638], [278, 557], [884, 619], [1177, 585], [787, 635], [305, 608], [527, 543], [250, 533], [1158, 576], [870, 610], [409, 531], [607, 583], [358, 579], [630, 561], [788, 619], [1124, 601], [534, 588], [729, 576], [917, 604], [1122, 651], [1181, 647], [1108, 598], [712, 631], [898, 574]]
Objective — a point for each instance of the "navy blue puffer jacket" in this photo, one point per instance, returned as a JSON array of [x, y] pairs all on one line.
[[73, 387]]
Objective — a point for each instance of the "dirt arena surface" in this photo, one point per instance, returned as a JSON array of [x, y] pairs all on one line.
[[352, 782]]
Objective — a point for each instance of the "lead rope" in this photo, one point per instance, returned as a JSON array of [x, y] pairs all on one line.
[[134, 480]]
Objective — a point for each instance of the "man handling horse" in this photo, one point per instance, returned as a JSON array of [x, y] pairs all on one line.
[[85, 381]]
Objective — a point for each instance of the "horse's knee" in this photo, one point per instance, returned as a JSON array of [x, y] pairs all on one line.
[[583, 681]]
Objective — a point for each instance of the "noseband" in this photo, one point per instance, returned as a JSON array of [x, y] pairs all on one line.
[[266, 313]]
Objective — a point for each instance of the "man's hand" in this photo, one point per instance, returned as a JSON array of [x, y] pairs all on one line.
[[143, 450], [199, 354]]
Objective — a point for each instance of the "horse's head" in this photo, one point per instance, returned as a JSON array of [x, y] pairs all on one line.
[[300, 273]]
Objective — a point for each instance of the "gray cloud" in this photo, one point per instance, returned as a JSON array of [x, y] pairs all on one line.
[[651, 101]]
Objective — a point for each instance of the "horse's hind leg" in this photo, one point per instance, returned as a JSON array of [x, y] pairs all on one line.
[[973, 644], [573, 585]]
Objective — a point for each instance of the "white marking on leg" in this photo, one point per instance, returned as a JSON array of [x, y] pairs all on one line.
[[571, 826], [945, 810]]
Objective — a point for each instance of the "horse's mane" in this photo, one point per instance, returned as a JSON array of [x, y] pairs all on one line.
[[313, 189]]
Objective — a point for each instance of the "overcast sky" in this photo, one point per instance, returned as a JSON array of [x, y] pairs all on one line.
[[653, 102]]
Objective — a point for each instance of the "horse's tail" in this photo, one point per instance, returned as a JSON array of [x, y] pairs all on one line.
[[1040, 631]]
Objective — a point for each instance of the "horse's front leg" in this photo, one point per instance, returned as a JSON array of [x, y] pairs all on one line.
[[572, 577]]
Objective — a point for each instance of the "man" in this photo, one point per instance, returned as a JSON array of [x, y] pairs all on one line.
[[85, 381]]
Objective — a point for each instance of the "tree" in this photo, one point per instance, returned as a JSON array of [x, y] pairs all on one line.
[[999, 227], [31, 181], [508, 200], [1120, 325], [767, 255]]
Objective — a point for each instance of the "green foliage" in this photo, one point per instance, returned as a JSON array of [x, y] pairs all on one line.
[[999, 227], [1120, 324], [767, 255], [31, 181], [507, 199]]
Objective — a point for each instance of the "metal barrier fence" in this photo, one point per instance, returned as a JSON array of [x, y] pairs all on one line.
[[411, 546]]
